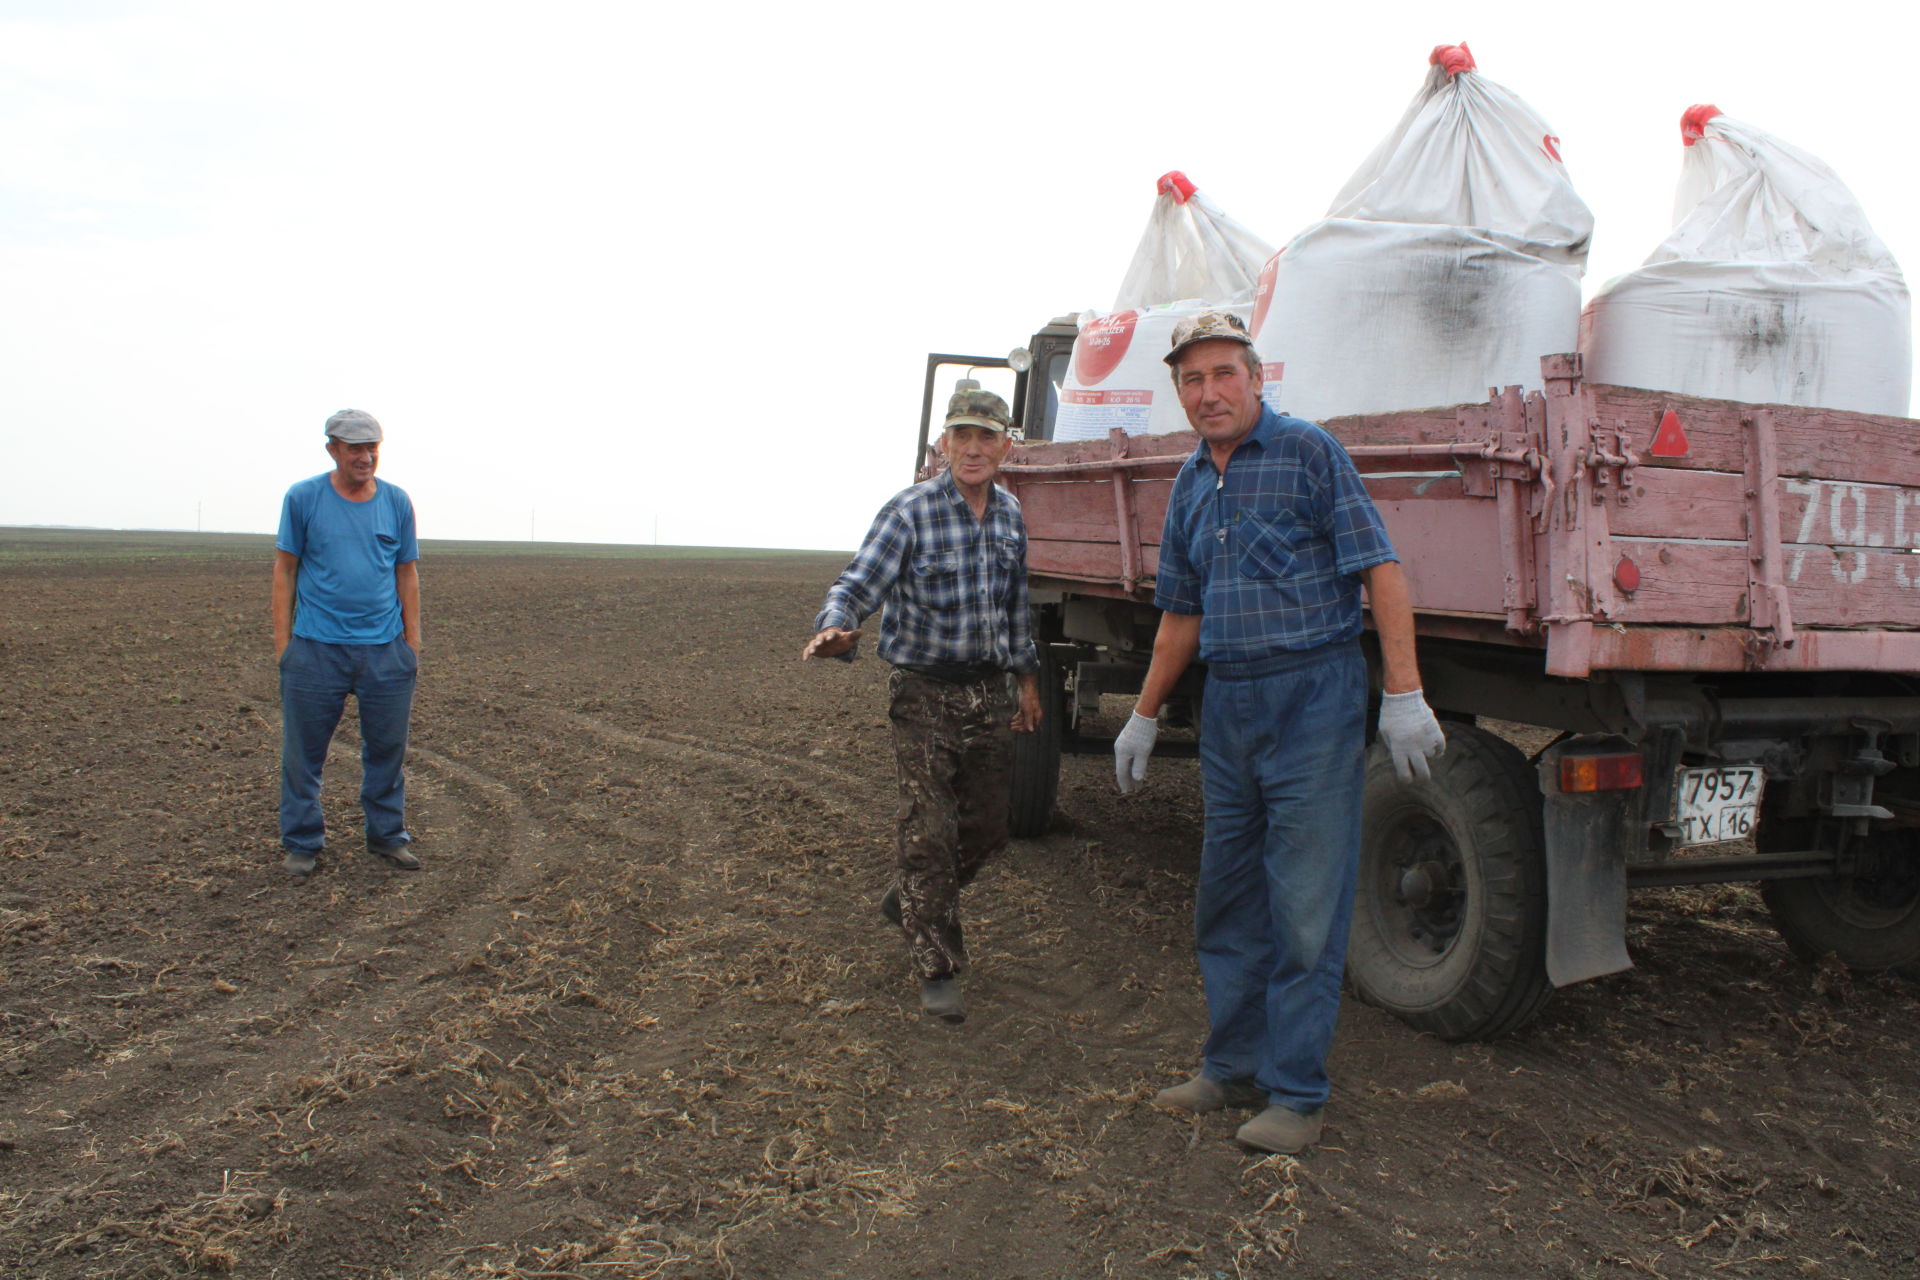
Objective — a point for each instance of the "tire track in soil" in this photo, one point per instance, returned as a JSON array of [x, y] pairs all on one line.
[[462, 911], [188, 1085], [1097, 1077], [432, 891], [740, 1036], [663, 1073], [445, 881], [1028, 987]]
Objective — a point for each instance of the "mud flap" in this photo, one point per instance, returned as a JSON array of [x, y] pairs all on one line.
[[1586, 877]]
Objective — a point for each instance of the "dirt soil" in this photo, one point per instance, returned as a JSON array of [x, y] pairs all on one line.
[[638, 1016]]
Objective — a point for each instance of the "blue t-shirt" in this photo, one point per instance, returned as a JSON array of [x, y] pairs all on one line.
[[345, 593], [1270, 552]]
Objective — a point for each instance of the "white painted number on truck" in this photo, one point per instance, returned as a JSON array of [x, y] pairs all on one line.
[[1851, 518]]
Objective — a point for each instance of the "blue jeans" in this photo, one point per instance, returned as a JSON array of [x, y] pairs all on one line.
[[1282, 755], [315, 679]]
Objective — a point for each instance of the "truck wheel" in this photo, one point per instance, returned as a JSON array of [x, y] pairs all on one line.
[[1870, 924], [1450, 914], [1036, 757]]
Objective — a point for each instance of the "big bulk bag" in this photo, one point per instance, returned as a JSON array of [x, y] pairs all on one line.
[[1191, 258], [1772, 288], [1449, 263]]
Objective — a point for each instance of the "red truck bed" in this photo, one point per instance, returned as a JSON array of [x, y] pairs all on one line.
[[1615, 528]]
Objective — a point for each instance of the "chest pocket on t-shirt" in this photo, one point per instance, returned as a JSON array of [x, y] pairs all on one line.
[[1268, 545]]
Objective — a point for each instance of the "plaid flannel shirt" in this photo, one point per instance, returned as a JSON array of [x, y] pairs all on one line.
[[955, 587], [1269, 552]]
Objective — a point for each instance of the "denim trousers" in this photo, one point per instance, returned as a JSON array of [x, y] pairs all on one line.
[[315, 679], [1282, 756]]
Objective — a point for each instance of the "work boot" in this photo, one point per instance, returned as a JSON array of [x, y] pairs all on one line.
[[940, 998], [1281, 1129], [1201, 1095], [397, 856], [299, 865]]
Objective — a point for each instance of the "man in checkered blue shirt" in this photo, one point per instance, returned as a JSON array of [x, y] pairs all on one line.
[[948, 557], [1269, 538]]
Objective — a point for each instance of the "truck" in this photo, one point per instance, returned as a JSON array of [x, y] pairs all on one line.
[[1708, 611]]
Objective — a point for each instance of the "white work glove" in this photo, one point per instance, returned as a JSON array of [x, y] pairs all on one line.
[[1131, 747], [1410, 733]]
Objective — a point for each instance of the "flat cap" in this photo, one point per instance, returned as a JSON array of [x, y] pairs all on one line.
[[353, 426], [1205, 327], [972, 406]]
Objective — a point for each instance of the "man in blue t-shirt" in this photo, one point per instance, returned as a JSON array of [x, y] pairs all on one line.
[[346, 620], [1269, 539]]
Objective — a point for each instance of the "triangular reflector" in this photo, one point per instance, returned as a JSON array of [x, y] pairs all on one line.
[[1670, 441]]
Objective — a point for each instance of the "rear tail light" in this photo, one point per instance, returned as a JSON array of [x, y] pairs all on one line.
[[1621, 772]]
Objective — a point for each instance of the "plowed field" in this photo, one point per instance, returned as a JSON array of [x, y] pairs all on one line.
[[638, 1017]]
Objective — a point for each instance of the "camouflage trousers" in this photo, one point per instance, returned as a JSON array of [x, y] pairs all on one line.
[[955, 753]]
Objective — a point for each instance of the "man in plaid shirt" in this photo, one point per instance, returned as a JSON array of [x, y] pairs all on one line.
[[1269, 538], [948, 557]]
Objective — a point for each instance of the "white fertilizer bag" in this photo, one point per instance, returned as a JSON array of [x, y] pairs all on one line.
[[1192, 258], [1772, 289], [1449, 264]]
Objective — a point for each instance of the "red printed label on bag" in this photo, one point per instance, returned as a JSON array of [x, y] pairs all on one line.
[[1101, 346]]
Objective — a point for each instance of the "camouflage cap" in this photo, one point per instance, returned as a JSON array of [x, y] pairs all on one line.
[[1206, 326], [974, 407], [353, 426]]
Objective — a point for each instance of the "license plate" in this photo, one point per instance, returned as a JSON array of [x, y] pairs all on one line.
[[1711, 805]]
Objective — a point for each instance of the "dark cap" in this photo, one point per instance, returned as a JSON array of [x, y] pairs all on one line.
[[1205, 327], [975, 407], [353, 426]]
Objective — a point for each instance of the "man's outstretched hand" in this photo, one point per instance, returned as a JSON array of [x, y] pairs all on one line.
[[830, 643]]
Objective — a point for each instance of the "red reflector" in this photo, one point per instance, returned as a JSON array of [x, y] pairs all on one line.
[[1600, 773], [1670, 441]]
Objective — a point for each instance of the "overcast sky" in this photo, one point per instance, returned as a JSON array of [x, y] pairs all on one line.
[[608, 272]]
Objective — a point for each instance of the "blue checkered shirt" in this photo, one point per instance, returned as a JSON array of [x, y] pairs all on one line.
[[1268, 553], [955, 587]]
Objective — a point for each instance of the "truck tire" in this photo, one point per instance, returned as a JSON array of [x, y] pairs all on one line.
[[1870, 924], [1450, 913], [1035, 785]]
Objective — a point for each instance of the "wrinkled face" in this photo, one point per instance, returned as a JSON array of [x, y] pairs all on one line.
[[356, 463], [1220, 393], [974, 454]]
